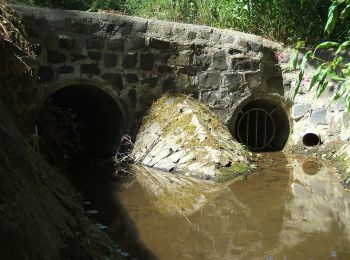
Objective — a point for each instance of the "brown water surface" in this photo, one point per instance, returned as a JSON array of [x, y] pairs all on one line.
[[290, 208]]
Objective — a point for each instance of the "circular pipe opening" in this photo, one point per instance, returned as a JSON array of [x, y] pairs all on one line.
[[311, 139], [79, 119], [261, 125]]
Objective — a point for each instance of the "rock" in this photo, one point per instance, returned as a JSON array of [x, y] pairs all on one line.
[[182, 135], [219, 60], [299, 110], [319, 117], [55, 57]]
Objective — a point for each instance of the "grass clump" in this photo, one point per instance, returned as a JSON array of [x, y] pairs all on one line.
[[236, 169]]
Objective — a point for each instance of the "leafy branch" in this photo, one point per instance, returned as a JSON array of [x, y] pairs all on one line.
[[335, 69]]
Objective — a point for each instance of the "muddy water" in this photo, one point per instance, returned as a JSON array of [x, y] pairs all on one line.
[[290, 208]]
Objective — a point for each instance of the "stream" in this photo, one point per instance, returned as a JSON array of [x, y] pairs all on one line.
[[291, 207]]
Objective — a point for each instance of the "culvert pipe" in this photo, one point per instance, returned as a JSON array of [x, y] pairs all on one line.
[[80, 119], [311, 139], [261, 125]]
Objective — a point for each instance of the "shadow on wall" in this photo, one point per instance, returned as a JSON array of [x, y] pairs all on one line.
[[261, 125], [80, 119]]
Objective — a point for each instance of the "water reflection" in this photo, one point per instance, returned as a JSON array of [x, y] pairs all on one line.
[[290, 208]]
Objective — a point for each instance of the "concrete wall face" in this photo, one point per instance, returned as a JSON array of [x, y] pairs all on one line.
[[137, 60]]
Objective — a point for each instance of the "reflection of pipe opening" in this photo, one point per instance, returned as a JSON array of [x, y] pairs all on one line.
[[311, 167], [311, 139], [80, 119], [261, 125]]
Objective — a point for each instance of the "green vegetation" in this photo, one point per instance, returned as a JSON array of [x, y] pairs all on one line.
[[236, 169], [279, 20], [335, 68], [91, 5]]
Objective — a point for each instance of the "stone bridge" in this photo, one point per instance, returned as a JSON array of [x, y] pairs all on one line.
[[107, 62]]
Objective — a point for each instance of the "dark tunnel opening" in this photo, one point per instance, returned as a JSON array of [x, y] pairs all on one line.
[[261, 125], [80, 119], [311, 139]]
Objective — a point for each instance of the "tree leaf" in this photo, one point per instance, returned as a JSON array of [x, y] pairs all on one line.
[[321, 88], [303, 64], [335, 77], [333, 13], [341, 91], [317, 75], [299, 44], [298, 83], [305, 60], [342, 47], [346, 12], [294, 60], [326, 45]]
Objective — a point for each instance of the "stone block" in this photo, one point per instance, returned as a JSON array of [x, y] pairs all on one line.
[[147, 61], [232, 81], [130, 60], [90, 69], [77, 56], [202, 61], [132, 78], [341, 104], [110, 60], [95, 55], [299, 110], [215, 37], [115, 45], [254, 46], [136, 43], [95, 43], [159, 44], [219, 60], [150, 82], [319, 116], [126, 27], [114, 79], [254, 79], [209, 80], [184, 58], [45, 74], [110, 27], [242, 64], [66, 42], [140, 27], [55, 57], [205, 35], [191, 35], [65, 69]]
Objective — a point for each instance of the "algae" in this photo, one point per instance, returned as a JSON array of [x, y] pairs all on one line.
[[228, 173]]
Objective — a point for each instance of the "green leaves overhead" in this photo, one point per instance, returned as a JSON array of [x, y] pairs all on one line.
[[307, 57], [334, 70], [326, 45], [333, 14], [345, 13], [342, 47]]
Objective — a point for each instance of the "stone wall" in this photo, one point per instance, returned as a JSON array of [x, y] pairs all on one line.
[[327, 118], [136, 60]]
